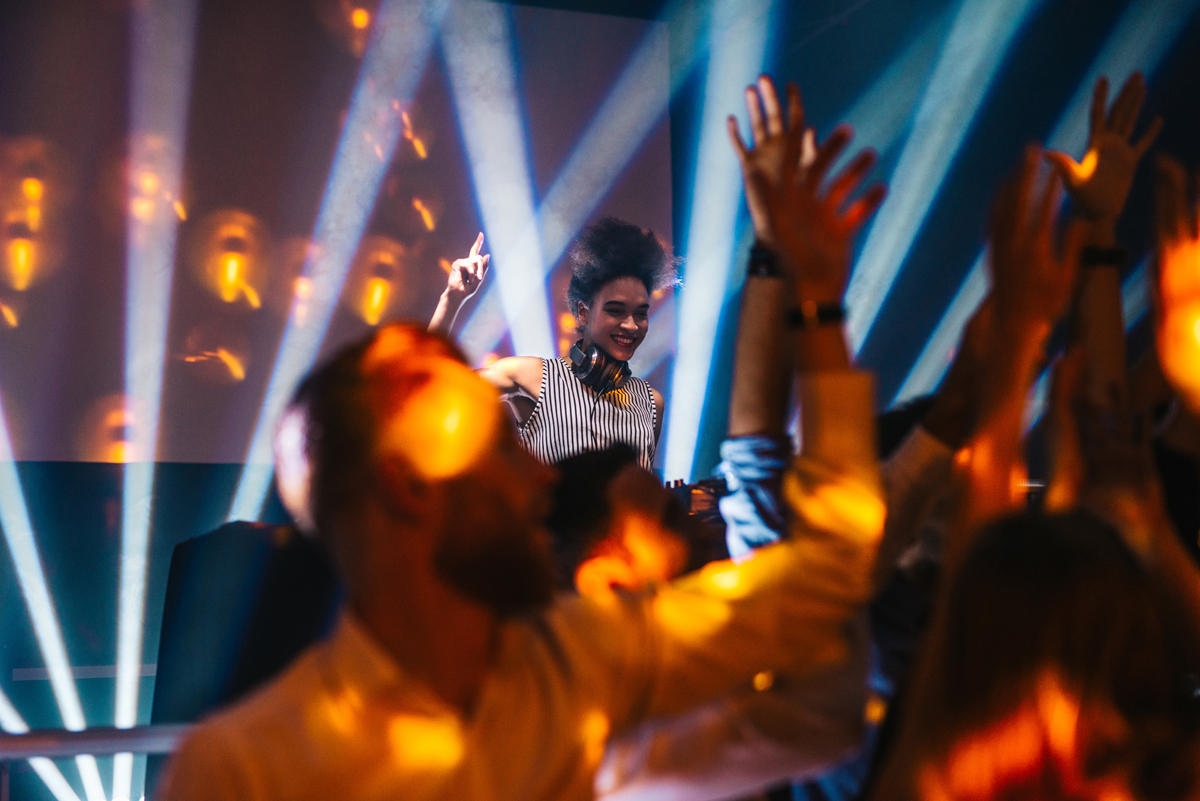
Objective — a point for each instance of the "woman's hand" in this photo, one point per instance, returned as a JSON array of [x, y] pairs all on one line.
[[467, 274]]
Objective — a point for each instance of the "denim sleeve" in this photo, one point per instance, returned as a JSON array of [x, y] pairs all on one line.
[[753, 510]]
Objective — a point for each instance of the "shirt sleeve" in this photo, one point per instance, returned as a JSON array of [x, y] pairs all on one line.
[[205, 768], [753, 510]]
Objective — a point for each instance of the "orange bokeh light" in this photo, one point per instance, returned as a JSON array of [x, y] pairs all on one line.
[[360, 18], [426, 214]]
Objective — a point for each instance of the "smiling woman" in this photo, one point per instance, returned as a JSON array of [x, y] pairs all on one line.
[[590, 400]]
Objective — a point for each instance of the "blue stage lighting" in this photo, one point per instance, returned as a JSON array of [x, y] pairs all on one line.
[[738, 37], [27, 562], [477, 46], [1139, 40], [12, 722], [163, 35], [627, 116], [391, 67], [970, 60]]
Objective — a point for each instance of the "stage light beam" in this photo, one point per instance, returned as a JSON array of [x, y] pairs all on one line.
[[979, 38], [400, 40], [12, 723], [477, 47], [163, 40], [1139, 40], [738, 51]]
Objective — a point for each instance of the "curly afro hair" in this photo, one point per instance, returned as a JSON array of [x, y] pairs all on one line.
[[613, 249]]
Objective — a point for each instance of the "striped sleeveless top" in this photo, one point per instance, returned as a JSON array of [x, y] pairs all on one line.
[[570, 418]]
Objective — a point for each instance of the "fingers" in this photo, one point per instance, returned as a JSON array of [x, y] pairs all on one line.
[[864, 208], [1099, 101], [1124, 112], [795, 108], [478, 244], [1066, 166], [736, 137], [1048, 212], [771, 106], [849, 178], [808, 149], [827, 153], [1152, 132], [1170, 197], [757, 129]]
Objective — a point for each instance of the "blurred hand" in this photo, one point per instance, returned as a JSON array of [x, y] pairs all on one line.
[[467, 274], [810, 226], [1032, 278], [1100, 183], [1177, 290]]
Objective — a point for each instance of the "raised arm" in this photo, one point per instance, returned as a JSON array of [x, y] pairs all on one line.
[[1098, 187], [466, 275]]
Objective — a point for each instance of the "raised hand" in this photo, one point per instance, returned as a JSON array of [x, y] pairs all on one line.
[[1099, 184], [808, 223], [1031, 276], [1177, 289], [467, 274]]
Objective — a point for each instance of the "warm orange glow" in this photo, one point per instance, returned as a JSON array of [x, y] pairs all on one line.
[[229, 278], [689, 616], [842, 507], [1087, 168], [342, 710], [180, 211], [375, 299], [148, 183], [33, 218], [443, 428], [426, 743], [566, 321], [360, 18], [142, 208], [1178, 331], [236, 369], [875, 710], [445, 265], [426, 214], [21, 257], [9, 315], [303, 288], [655, 555], [410, 135], [32, 189], [763, 680], [594, 733], [118, 453]]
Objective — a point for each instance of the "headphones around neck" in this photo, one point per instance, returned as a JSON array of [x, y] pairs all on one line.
[[596, 369]]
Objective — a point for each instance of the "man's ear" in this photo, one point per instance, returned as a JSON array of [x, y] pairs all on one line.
[[599, 575], [404, 493], [581, 314]]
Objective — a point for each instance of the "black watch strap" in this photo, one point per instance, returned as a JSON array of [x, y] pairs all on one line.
[[763, 263], [1093, 256]]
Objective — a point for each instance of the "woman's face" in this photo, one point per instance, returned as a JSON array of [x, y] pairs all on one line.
[[618, 317]]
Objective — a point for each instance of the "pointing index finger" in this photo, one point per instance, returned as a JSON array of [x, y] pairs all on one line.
[[478, 244]]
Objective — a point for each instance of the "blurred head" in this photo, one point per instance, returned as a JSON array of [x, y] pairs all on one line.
[[1056, 670], [408, 453], [614, 525], [617, 267]]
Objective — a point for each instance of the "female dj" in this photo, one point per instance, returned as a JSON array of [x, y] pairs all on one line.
[[589, 400]]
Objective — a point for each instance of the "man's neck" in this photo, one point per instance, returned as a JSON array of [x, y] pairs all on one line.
[[434, 634]]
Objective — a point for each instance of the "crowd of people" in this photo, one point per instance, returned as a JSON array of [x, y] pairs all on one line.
[[530, 614]]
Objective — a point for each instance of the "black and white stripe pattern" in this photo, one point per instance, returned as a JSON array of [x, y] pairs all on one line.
[[570, 418]]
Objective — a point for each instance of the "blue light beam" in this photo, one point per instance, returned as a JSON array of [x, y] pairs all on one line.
[[738, 50], [979, 38], [22, 548], [477, 46], [1141, 37], [12, 722], [391, 68]]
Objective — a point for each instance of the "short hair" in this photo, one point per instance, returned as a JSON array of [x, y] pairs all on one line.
[[343, 423], [581, 514], [613, 249]]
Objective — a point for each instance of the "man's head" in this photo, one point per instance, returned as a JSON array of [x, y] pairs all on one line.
[[614, 525], [617, 267], [410, 460]]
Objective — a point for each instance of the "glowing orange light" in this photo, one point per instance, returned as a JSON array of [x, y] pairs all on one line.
[[118, 453], [33, 218], [411, 136], [425, 743], [375, 299], [142, 208], [236, 369], [20, 262], [1087, 167], [360, 18], [566, 321], [229, 280], [763, 680], [303, 287], [445, 265], [691, 617], [594, 733], [32, 188], [148, 183], [1178, 330], [10, 316], [426, 214], [875, 710], [180, 211]]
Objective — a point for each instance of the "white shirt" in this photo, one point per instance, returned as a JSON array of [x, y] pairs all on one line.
[[346, 722]]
